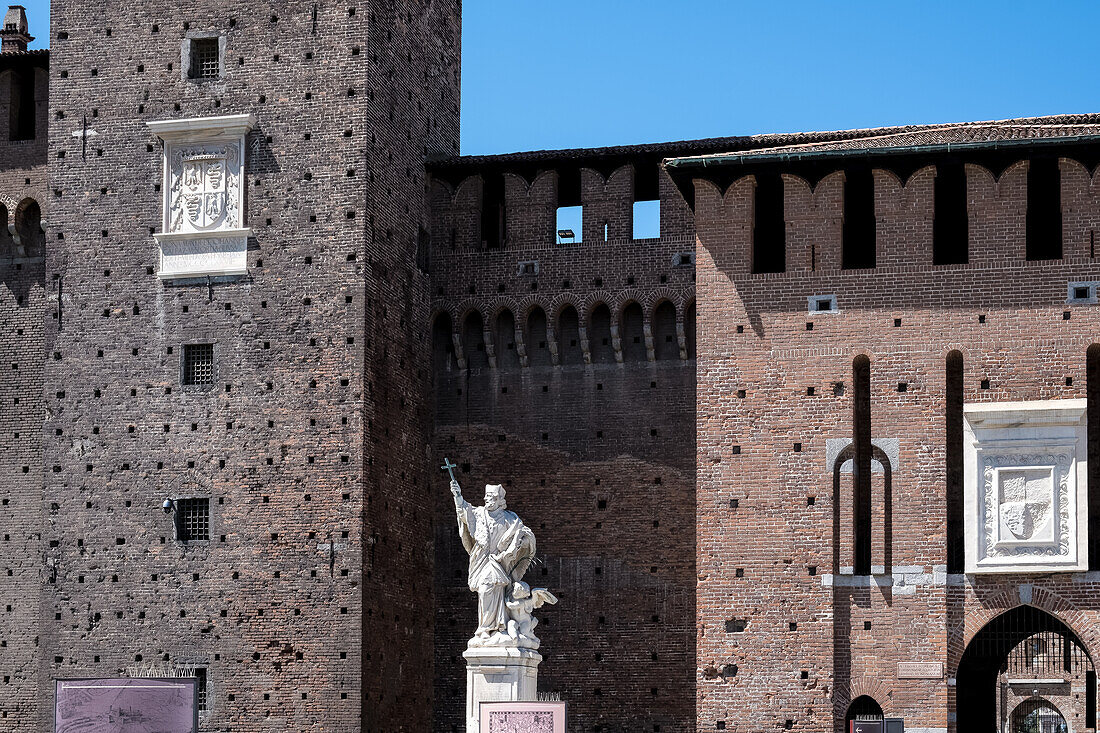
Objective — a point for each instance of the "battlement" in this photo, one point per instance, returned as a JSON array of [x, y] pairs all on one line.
[[980, 194]]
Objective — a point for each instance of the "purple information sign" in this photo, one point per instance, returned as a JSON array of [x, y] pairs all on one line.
[[132, 705], [523, 717]]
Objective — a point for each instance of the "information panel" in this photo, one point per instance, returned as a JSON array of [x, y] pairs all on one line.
[[156, 705], [523, 717]]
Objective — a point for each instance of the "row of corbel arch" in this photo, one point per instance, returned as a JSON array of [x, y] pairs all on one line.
[[609, 329]]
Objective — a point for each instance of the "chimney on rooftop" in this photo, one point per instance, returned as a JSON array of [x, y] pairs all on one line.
[[14, 34]]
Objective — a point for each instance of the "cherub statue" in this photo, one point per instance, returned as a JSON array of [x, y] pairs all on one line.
[[523, 601]]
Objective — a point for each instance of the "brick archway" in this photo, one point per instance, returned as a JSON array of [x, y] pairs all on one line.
[[961, 634], [863, 685]]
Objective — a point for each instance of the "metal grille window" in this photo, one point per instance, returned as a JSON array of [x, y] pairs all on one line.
[[192, 519], [205, 62], [200, 675], [198, 364]]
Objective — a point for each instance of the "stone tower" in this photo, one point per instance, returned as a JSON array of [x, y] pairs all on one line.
[[235, 375]]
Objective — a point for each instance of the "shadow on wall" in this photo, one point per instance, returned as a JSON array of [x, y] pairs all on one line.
[[663, 331], [616, 544]]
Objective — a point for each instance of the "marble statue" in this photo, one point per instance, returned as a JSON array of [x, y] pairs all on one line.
[[522, 624], [501, 548]]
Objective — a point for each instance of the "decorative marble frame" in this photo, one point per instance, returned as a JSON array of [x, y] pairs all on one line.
[[1026, 492], [204, 184]]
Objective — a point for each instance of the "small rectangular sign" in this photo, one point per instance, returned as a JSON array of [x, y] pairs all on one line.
[[523, 717], [920, 670], [134, 705], [865, 726]]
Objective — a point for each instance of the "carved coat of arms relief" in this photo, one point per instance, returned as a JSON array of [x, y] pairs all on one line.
[[1026, 474], [204, 231], [205, 189]]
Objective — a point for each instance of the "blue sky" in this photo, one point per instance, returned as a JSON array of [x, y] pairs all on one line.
[[568, 73]]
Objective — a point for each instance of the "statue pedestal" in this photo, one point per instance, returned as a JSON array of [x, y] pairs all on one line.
[[498, 674]]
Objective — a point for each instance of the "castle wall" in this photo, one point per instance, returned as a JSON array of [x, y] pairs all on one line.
[[787, 635], [305, 604], [575, 387], [23, 314]]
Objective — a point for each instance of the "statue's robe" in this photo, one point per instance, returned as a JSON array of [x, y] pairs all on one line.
[[485, 534]]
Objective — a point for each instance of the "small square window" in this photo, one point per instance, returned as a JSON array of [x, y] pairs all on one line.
[[192, 519], [205, 58], [198, 364], [1082, 292]]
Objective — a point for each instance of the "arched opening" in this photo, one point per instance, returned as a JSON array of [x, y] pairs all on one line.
[[954, 456], [1022, 651], [473, 341], [633, 333], [28, 227], [538, 347], [861, 475], [6, 243], [504, 340], [1092, 391], [689, 330], [443, 350], [665, 343], [22, 110], [570, 334], [863, 707], [1037, 715], [603, 351]]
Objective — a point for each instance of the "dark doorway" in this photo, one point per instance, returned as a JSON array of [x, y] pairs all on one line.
[[1053, 649], [863, 707]]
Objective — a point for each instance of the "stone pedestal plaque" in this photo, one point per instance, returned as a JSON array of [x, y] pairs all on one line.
[[1025, 485], [501, 674]]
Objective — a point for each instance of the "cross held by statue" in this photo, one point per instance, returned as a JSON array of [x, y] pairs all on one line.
[[448, 467]]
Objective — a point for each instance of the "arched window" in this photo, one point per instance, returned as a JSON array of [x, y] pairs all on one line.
[[6, 243], [570, 334], [861, 477], [599, 335], [504, 341], [633, 334], [1092, 375], [28, 227], [689, 330], [538, 346], [954, 454], [473, 341], [443, 356], [858, 243], [665, 343]]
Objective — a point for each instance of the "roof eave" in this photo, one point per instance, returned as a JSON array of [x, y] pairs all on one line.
[[731, 159]]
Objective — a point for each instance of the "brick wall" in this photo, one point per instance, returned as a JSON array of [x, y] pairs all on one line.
[[574, 387], [308, 445], [775, 382], [23, 309]]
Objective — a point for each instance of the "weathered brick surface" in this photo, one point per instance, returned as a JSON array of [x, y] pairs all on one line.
[[306, 603], [761, 442], [22, 319], [576, 388]]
